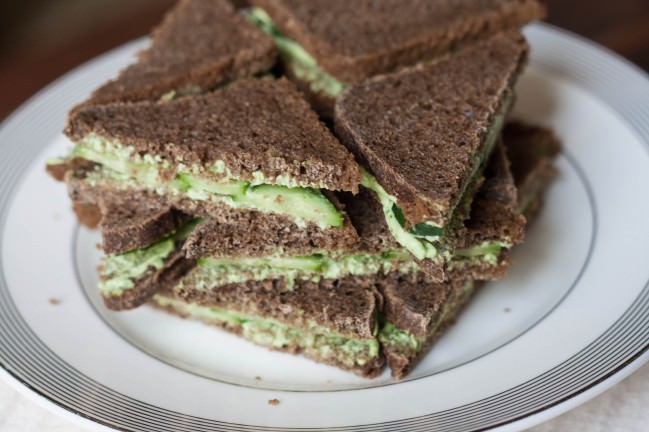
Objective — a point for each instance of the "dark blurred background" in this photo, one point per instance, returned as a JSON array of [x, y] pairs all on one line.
[[42, 39]]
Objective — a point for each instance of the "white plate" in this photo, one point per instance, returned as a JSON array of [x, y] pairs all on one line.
[[569, 321]]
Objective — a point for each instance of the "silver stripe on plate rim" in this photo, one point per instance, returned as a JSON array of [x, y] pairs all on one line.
[[24, 356]]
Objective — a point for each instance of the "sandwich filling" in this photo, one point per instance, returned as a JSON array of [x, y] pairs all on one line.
[[301, 63], [424, 239], [487, 251], [314, 341], [404, 342], [213, 272], [121, 163], [121, 272]]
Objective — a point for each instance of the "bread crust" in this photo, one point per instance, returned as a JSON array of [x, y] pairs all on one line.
[[227, 237], [259, 235], [359, 39], [152, 282], [199, 45], [425, 311], [370, 369], [418, 131], [253, 127], [531, 150], [347, 306]]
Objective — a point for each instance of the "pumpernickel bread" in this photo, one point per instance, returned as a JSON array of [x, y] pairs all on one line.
[[353, 40], [226, 230], [153, 281], [264, 234], [493, 219], [343, 308], [334, 304], [199, 45], [429, 309], [134, 223], [531, 150], [420, 131], [88, 214], [254, 127]]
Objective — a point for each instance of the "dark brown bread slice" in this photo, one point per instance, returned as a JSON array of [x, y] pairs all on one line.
[[253, 126], [366, 215], [136, 221], [419, 131], [88, 214], [412, 308], [153, 281], [531, 150], [57, 170], [353, 40], [423, 309], [347, 306], [493, 214], [370, 369], [365, 231], [129, 219], [507, 203], [412, 303], [263, 232], [199, 45]]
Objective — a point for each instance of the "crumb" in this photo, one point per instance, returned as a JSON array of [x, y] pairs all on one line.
[[257, 378], [507, 310], [56, 216], [273, 402], [53, 301], [329, 381]]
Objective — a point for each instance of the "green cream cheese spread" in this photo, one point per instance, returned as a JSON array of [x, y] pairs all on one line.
[[403, 341], [123, 164], [315, 340], [487, 251], [120, 271], [212, 272], [422, 241], [390, 335], [297, 58], [421, 247]]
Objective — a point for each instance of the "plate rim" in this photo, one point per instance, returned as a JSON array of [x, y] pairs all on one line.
[[632, 362]]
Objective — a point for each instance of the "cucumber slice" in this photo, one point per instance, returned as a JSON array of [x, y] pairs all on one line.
[[304, 203], [313, 262], [202, 188], [486, 248], [426, 230], [398, 213]]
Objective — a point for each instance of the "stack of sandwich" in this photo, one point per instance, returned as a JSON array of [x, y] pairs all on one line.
[[327, 178]]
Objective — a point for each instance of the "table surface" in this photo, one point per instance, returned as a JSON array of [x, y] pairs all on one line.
[[29, 63]]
